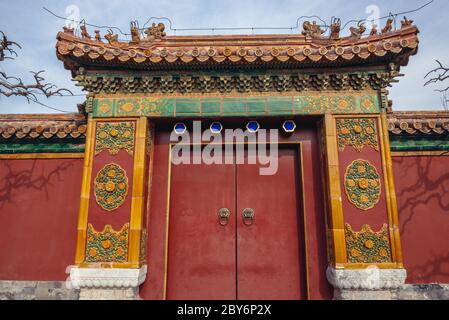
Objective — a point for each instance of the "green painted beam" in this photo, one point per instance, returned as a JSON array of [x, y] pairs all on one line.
[[432, 143], [42, 147], [222, 106]]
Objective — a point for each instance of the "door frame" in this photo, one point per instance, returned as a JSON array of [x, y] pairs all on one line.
[[298, 147]]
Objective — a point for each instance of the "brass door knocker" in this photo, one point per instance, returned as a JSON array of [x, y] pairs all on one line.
[[248, 216], [223, 216]]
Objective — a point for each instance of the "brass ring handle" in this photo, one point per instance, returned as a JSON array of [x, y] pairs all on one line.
[[248, 216], [223, 216]]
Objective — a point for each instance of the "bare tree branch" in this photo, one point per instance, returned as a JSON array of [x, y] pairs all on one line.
[[441, 74], [6, 47], [442, 90], [14, 86]]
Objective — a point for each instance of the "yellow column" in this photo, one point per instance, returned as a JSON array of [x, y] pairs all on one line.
[[333, 190], [85, 193], [138, 196], [391, 194]]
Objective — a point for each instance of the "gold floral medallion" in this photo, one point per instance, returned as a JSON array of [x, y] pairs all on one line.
[[111, 187]]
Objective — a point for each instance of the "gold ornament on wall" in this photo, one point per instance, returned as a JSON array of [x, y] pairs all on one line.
[[362, 184], [357, 133], [115, 136], [368, 246], [107, 245], [111, 187]]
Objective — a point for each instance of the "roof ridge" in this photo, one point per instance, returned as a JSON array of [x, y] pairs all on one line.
[[226, 50]]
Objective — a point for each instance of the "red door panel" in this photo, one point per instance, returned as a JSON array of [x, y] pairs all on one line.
[[201, 252], [269, 254]]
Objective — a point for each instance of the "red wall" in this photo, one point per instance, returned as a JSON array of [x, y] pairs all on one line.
[[39, 202], [422, 188]]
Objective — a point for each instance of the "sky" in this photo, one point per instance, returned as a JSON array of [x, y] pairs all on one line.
[[26, 22]]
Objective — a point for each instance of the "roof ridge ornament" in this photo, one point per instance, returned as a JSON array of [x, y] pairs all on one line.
[[112, 38], [69, 30], [389, 26], [374, 31], [357, 32], [84, 34], [135, 33], [335, 28], [155, 32], [406, 23], [312, 30], [98, 36], [148, 48]]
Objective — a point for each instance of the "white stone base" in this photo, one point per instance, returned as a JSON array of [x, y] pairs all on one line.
[[107, 284], [366, 284], [109, 294]]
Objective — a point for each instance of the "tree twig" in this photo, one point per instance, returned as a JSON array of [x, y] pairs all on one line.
[[6, 46], [441, 75], [14, 86]]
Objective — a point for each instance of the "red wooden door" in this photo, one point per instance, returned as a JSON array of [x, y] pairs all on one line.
[[201, 251], [270, 263], [263, 260]]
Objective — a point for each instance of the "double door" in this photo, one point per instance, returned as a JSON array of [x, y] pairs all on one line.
[[234, 233]]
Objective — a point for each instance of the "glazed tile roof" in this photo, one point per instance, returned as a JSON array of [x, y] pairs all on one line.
[[42, 126], [165, 52], [418, 123]]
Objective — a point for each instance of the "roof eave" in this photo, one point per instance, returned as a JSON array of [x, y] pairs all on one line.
[[250, 51]]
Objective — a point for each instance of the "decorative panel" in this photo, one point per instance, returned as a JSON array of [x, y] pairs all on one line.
[[367, 246], [262, 105], [357, 133], [114, 137], [111, 187], [113, 193], [360, 185], [107, 245]]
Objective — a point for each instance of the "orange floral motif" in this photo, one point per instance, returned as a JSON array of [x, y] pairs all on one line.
[[367, 103], [363, 183], [106, 244], [92, 252], [369, 244], [342, 104]]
